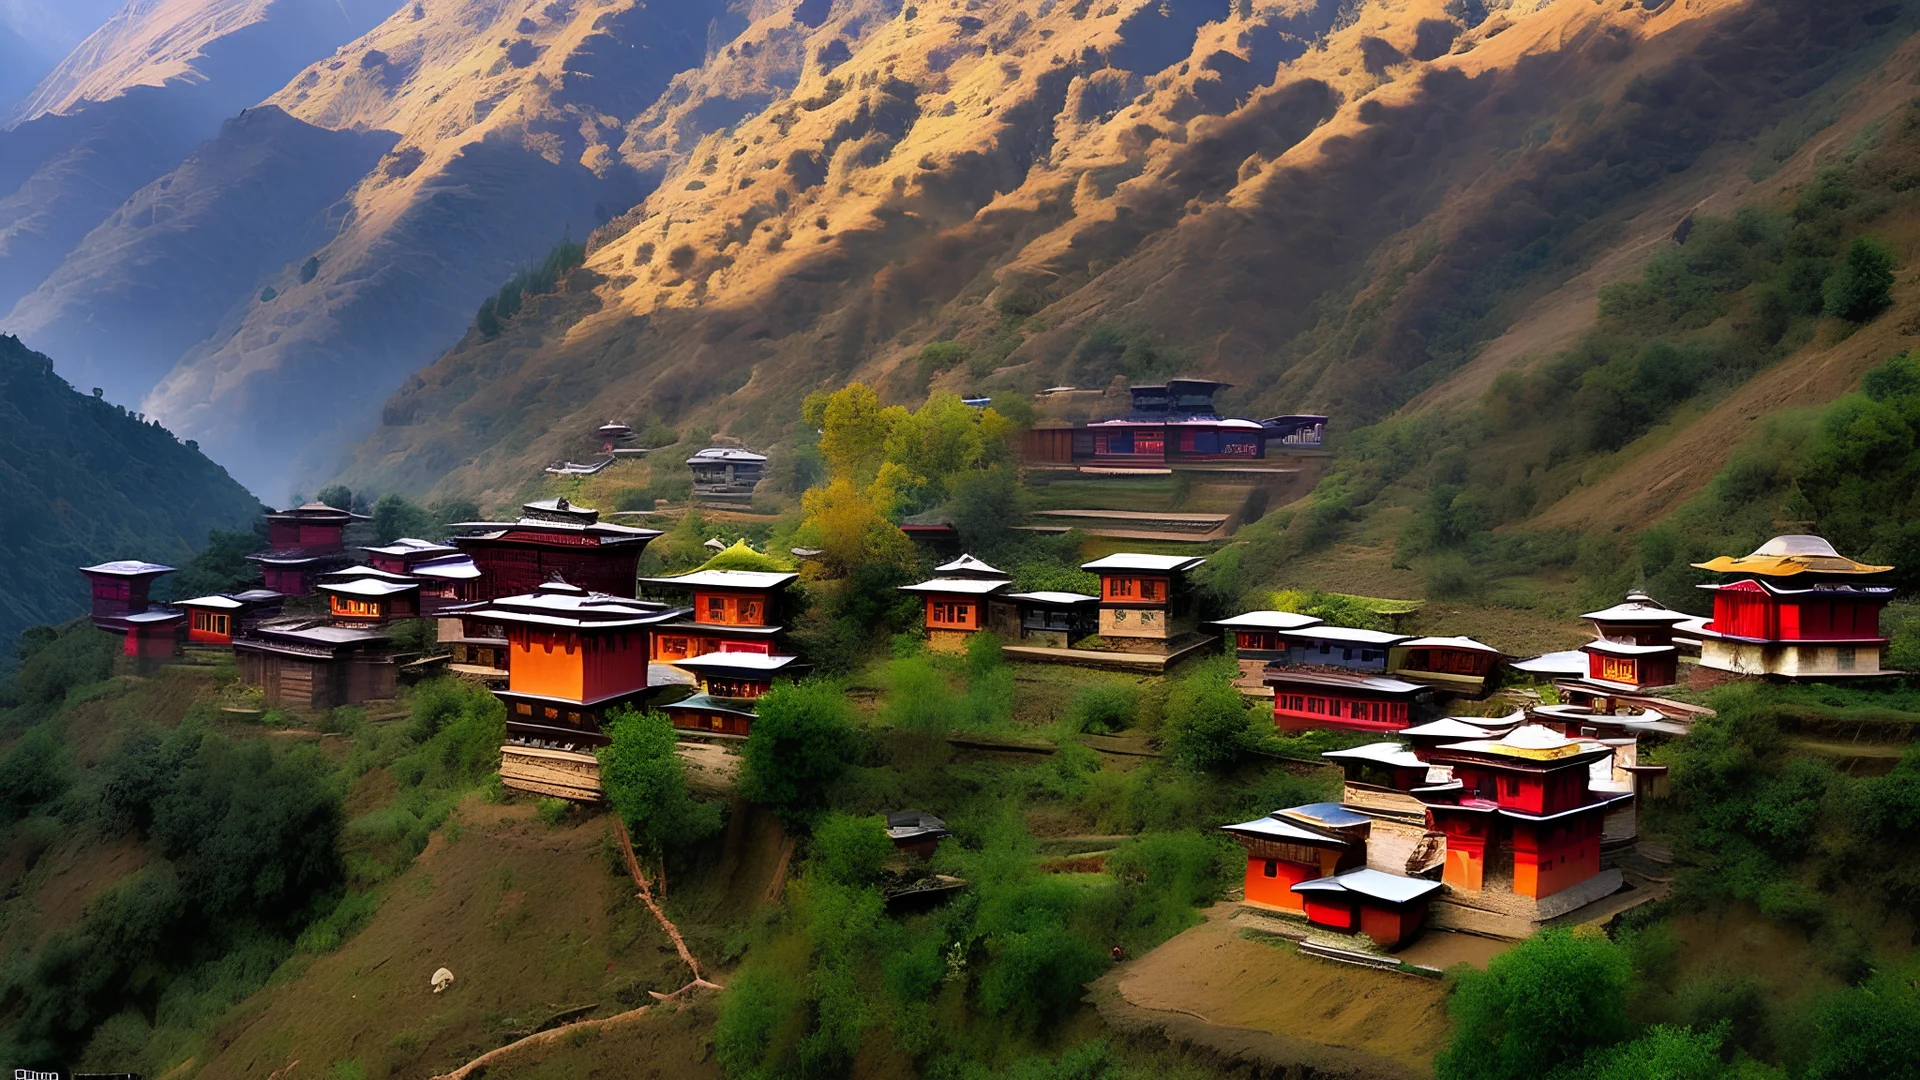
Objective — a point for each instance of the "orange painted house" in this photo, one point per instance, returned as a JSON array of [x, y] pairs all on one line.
[[214, 620], [1144, 596], [572, 656], [1299, 844], [956, 608], [733, 611]]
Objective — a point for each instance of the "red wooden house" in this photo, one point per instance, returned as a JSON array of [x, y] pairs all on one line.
[[1626, 665], [1304, 700], [1795, 608], [1519, 814], [121, 606], [302, 544], [553, 539], [1388, 908]]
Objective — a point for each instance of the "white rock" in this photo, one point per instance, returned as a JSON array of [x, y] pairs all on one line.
[[442, 979]]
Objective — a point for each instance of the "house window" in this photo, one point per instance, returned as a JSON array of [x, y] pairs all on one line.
[[1272, 869], [750, 612], [1120, 587], [716, 609], [1150, 590], [1513, 786], [1843, 658]]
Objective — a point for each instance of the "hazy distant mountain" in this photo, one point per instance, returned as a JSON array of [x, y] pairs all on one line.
[[35, 34], [21, 66], [131, 101]]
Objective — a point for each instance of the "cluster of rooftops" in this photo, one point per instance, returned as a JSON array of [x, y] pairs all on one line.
[[1442, 809]]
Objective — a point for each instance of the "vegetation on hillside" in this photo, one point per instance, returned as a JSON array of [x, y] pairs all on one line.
[[86, 481], [248, 855]]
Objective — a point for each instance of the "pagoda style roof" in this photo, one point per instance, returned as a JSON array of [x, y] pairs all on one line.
[[741, 707], [1786, 556], [1274, 828], [1465, 643], [1625, 648], [757, 580], [1457, 727], [1349, 635], [408, 545], [1628, 722], [607, 534], [1827, 589], [151, 616], [354, 573], [455, 567], [1325, 815], [1568, 662], [557, 604], [1374, 885], [1153, 420], [373, 588], [1048, 598], [303, 638], [1153, 564], [739, 663], [293, 556], [957, 586], [1638, 607], [317, 513], [127, 568], [1529, 742], [968, 566], [722, 455], [215, 603], [1267, 620], [1366, 683], [257, 596], [1391, 754]]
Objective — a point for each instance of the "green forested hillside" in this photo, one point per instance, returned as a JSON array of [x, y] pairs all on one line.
[[82, 480]]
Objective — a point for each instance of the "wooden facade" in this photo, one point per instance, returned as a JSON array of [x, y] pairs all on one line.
[[1456, 664], [122, 605], [553, 540], [956, 606], [1145, 596], [730, 645], [315, 667], [371, 601], [303, 544], [1304, 700]]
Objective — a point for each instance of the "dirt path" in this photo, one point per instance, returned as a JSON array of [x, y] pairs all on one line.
[[1264, 1003]]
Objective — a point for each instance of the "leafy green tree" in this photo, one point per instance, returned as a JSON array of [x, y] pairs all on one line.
[[645, 783], [222, 565], [1540, 1006], [338, 496], [394, 517], [1863, 288], [1870, 1032], [986, 505], [800, 744], [1209, 724], [850, 850], [37, 770], [1663, 1053]]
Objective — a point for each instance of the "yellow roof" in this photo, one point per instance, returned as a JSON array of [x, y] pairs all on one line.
[[1785, 556]]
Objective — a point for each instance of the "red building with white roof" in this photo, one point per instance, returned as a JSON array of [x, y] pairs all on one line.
[[956, 599], [731, 645], [1304, 700], [1520, 813], [1795, 608], [121, 605], [554, 540], [303, 544], [1145, 596]]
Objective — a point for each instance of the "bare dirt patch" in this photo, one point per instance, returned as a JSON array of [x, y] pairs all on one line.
[[1263, 1002]]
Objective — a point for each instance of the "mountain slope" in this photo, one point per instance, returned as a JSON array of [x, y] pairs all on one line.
[[158, 274], [132, 100], [1078, 195], [84, 481], [508, 119]]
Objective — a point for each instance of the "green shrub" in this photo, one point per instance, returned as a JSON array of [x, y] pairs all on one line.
[[1209, 724], [1864, 286], [850, 850], [554, 812], [1540, 1006], [799, 745], [645, 783], [1103, 707]]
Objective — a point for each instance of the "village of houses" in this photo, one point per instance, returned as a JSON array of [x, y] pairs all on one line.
[[1449, 820]]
